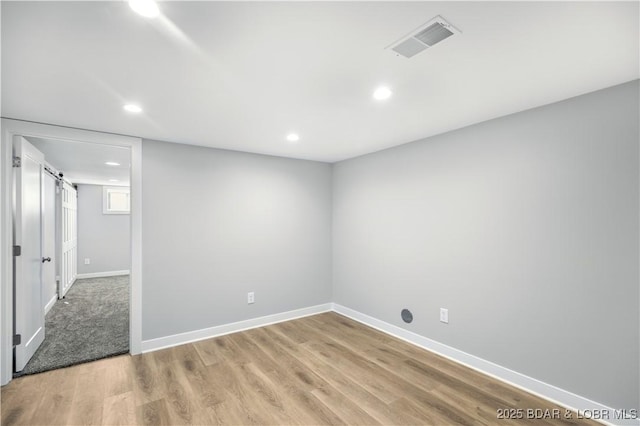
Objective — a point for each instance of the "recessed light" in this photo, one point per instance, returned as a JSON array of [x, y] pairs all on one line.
[[112, 163], [114, 180], [293, 137], [132, 108], [382, 93], [146, 8]]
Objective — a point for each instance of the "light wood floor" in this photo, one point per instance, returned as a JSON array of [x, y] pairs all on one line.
[[324, 369]]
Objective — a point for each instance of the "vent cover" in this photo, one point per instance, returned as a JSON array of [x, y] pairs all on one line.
[[425, 36], [433, 34], [406, 315]]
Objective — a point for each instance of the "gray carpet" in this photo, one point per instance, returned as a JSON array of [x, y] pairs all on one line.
[[91, 322]]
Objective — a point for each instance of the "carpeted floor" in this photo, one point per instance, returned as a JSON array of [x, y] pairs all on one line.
[[91, 322]]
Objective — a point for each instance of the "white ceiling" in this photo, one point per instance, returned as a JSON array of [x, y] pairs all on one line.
[[242, 75], [85, 162]]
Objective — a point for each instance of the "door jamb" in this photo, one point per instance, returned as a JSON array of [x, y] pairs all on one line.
[[11, 127]]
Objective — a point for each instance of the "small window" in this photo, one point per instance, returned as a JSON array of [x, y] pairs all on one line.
[[115, 200]]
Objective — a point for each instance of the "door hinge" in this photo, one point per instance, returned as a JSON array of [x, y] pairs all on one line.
[[17, 250], [17, 339], [17, 162]]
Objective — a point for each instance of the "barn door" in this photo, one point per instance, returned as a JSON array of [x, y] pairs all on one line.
[[29, 315], [69, 255]]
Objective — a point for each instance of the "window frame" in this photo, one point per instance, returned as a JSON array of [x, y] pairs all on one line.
[[106, 190]]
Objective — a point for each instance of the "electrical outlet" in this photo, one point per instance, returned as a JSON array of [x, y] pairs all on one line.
[[87, 261], [250, 297], [444, 315]]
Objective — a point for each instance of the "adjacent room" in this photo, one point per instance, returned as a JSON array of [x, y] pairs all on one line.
[[320, 212], [85, 217]]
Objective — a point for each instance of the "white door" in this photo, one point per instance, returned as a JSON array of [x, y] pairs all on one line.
[[49, 287], [69, 266], [29, 315]]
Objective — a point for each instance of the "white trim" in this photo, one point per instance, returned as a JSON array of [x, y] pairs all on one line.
[[50, 303], [234, 327], [11, 127], [6, 259], [135, 280], [528, 384], [102, 274]]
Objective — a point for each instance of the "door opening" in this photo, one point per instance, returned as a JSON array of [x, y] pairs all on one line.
[[10, 317], [92, 322]]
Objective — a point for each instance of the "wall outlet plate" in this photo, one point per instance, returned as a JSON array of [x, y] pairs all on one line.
[[250, 297], [87, 261], [444, 315]]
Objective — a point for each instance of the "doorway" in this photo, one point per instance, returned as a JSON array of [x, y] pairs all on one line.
[[85, 266], [12, 128]]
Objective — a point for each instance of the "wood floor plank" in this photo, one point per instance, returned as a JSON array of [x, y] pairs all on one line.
[[120, 410], [306, 404], [208, 351], [237, 396], [87, 404], [21, 398], [229, 351], [281, 392], [322, 370], [292, 331], [120, 377], [379, 380], [326, 370], [283, 351], [393, 367], [154, 413], [54, 407], [345, 408], [183, 406], [145, 379], [203, 388], [228, 412], [377, 408], [266, 396], [385, 385], [427, 414]]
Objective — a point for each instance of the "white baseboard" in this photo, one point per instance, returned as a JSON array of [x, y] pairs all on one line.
[[561, 397], [102, 274], [207, 333], [50, 303]]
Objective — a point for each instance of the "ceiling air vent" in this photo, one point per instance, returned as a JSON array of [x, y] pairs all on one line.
[[425, 36]]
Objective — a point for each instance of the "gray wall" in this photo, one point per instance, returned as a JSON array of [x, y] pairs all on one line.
[[524, 227], [103, 238], [218, 224]]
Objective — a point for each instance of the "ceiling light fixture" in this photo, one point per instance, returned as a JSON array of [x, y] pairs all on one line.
[[293, 137], [112, 163], [132, 108], [382, 93], [146, 8], [114, 180]]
